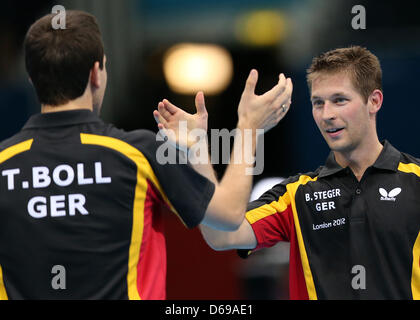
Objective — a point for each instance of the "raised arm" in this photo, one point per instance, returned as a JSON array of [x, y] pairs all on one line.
[[226, 210]]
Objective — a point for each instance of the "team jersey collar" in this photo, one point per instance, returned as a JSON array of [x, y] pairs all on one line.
[[388, 159], [63, 118]]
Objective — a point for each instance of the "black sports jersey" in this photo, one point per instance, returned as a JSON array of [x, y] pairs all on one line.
[[81, 196], [348, 239]]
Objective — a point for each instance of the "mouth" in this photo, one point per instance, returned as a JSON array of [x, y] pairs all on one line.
[[334, 132]]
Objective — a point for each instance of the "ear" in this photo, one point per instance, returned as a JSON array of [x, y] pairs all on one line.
[[95, 79], [375, 101]]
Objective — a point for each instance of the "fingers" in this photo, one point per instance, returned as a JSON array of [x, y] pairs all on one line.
[[167, 110], [163, 126], [200, 103], [160, 120], [280, 113], [251, 82], [277, 89], [286, 96], [164, 110], [156, 116], [284, 101], [171, 108]]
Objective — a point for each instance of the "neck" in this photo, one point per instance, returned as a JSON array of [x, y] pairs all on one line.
[[82, 103], [360, 158]]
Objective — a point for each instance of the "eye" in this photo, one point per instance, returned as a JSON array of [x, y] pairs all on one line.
[[340, 100], [317, 103]]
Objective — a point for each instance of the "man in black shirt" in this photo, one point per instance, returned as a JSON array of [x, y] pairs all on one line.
[[86, 200], [353, 224]]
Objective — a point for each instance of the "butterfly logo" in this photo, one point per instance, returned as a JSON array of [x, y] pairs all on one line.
[[389, 196]]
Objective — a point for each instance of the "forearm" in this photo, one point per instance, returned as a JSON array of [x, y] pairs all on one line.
[[227, 209], [243, 238], [202, 162], [239, 171], [216, 239]]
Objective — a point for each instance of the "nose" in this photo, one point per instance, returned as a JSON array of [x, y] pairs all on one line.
[[328, 111]]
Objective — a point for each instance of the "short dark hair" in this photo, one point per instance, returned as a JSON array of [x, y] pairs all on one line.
[[59, 61], [362, 65]]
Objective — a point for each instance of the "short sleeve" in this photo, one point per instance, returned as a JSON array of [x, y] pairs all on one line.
[[271, 217], [188, 192]]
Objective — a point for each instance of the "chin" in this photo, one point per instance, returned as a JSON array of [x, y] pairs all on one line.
[[341, 146]]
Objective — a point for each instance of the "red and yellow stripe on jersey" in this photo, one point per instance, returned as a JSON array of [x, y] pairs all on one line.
[[147, 188], [4, 156], [283, 214]]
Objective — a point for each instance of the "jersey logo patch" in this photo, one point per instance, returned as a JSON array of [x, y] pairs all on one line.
[[391, 196]]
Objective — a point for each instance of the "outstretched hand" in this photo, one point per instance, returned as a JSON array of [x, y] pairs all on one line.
[[172, 121], [264, 111], [254, 112]]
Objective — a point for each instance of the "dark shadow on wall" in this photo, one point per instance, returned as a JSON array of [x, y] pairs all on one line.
[[17, 97]]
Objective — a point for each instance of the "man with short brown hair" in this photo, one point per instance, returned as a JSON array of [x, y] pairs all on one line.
[[362, 65], [59, 61], [354, 223]]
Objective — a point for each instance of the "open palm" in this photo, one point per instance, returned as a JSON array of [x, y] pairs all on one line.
[[177, 125]]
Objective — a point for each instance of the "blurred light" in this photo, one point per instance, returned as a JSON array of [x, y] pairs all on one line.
[[261, 28], [190, 68]]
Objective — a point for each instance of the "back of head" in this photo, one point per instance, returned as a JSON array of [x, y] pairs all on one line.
[[59, 61], [363, 67]]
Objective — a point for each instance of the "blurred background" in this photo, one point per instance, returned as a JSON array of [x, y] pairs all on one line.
[[171, 49]]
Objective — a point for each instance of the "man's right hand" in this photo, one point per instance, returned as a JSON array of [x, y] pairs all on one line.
[[169, 117]]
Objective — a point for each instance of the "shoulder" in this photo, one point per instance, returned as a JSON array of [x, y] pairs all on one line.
[[145, 144], [303, 178], [130, 137], [13, 141], [407, 159], [291, 183], [144, 140], [409, 165]]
